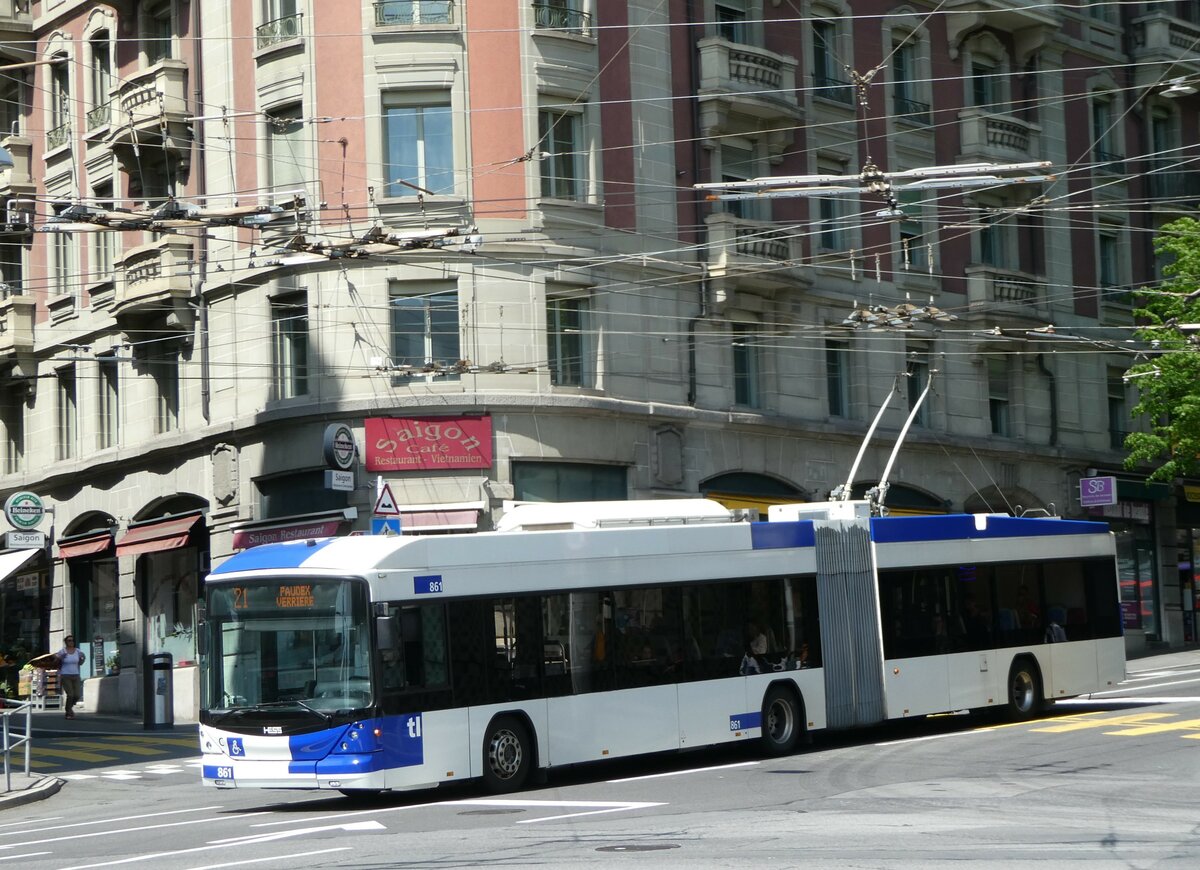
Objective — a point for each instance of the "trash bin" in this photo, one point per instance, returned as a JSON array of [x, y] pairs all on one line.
[[158, 699]]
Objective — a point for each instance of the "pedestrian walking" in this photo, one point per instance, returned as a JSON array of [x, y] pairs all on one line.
[[70, 673]]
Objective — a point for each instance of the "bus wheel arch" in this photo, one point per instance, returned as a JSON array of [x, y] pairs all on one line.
[[1024, 688], [509, 752], [783, 718]]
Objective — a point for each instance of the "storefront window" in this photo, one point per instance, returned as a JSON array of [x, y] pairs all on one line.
[[171, 582], [568, 481], [1135, 573], [97, 613], [24, 617]]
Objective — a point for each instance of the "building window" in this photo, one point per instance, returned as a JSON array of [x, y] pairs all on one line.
[[564, 15], [393, 12], [12, 418], [831, 232], [568, 481], [560, 135], [998, 396], [62, 262], [984, 86], [905, 86], [747, 359], [163, 363], [837, 385], [12, 269], [289, 345], [102, 243], [108, 403], [425, 329], [738, 164], [157, 34], [286, 162], [731, 21], [1118, 416], [68, 412], [828, 81], [918, 379], [101, 80], [566, 334], [419, 146], [914, 243], [59, 133], [1104, 136], [1102, 10], [1108, 261], [14, 100]]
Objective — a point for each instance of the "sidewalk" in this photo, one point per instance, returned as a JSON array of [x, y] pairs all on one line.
[[52, 723]]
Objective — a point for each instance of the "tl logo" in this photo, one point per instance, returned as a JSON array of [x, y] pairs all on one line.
[[414, 726]]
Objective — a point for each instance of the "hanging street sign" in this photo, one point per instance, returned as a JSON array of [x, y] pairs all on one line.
[[340, 450], [24, 540], [385, 525], [24, 510]]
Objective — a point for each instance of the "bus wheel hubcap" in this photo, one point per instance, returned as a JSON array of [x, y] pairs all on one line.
[[505, 754], [779, 722]]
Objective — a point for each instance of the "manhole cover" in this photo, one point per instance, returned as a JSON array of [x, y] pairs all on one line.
[[631, 847], [489, 812]]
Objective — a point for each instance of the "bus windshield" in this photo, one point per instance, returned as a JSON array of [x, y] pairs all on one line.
[[283, 643]]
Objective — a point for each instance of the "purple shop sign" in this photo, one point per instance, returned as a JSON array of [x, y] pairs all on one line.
[[1095, 491]]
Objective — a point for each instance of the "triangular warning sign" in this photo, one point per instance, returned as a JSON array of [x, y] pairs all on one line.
[[385, 505]]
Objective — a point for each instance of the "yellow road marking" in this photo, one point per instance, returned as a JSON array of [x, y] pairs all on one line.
[[190, 742], [125, 747], [1080, 724], [72, 754], [1182, 725]]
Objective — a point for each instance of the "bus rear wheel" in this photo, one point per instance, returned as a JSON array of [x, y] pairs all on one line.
[[781, 725], [1024, 690], [507, 755]]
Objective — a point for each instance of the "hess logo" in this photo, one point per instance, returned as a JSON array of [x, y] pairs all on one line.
[[272, 729]]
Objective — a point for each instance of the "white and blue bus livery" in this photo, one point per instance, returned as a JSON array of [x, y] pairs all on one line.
[[378, 663]]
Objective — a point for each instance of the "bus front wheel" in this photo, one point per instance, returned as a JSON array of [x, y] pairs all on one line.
[[507, 754], [1024, 690], [781, 726]]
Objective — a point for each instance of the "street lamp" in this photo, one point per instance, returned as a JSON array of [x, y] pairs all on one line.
[[1179, 87]]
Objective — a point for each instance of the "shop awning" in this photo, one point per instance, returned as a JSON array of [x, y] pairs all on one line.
[[297, 528], [84, 545], [155, 536], [418, 521], [14, 561]]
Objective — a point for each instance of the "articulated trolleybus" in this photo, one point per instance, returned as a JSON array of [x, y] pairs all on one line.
[[377, 663]]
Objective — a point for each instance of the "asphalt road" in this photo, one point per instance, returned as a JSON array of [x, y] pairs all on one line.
[[1107, 782]]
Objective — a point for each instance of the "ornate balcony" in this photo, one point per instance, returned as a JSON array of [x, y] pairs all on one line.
[[411, 13], [19, 178], [16, 325], [280, 30], [16, 23], [1163, 46], [100, 116], [987, 137], [744, 88], [1000, 293], [149, 103], [1172, 184], [1031, 22], [756, 253], [153, 285]]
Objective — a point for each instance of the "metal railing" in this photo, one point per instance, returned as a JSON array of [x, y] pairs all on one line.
[[1107, 161], [99, 116], [831, 88], [913, 111], [392, 13], [14, 739], [548, 17], [58, 136], [279, 30]]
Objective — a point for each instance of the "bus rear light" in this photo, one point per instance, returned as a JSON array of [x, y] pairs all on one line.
[[378, 732]]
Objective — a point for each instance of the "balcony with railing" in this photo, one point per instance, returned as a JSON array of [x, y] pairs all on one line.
[[16, 324], [1031, 22], [154, 283], [834, 89], [57, 137], [16, 22], [552, 16], [152, 103], [743, 87], [997, 292], [1172, 184], [1163, 46], [18, 178], [755, 252], [279, 31], [98, 117], [913, 111], [414, 13], [986, 137], [1108, 162]]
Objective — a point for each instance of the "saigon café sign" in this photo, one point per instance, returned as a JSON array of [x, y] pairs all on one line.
[[428, 443]]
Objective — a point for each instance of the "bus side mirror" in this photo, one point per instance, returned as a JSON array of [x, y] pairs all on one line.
[[387, 633]]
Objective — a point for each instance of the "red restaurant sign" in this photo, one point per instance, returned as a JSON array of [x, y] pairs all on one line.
[[246, 538], [428, 443]]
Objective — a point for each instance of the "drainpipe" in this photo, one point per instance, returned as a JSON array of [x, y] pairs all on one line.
[[1041, 361], [701, 229], [202, 190]]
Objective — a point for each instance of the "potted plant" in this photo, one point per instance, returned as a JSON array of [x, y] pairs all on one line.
[[112, 664]]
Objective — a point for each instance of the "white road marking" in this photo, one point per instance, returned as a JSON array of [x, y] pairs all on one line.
[[593, 807], [1137, 699], [107, 833], [25, 824], [132, 818], [121, 776], [235, 842], [272, 858], [24, 855], [684, 772]]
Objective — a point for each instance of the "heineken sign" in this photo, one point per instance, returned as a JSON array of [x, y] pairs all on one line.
[[24, 510]]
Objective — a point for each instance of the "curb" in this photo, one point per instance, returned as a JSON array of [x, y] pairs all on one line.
[[47, 786]]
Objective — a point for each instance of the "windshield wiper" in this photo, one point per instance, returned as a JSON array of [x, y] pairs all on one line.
[[270, 705]]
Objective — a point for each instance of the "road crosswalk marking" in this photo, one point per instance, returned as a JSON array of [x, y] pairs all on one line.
[[1093, 720], [131, 748], [1159, 727]]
